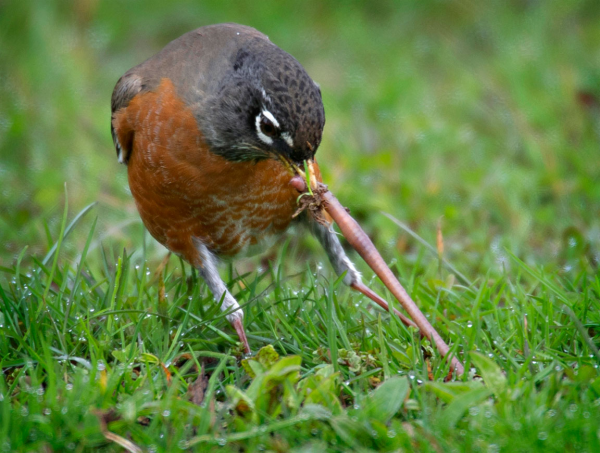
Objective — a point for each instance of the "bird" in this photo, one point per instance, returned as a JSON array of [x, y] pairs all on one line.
[[219, 132], [214, 130]]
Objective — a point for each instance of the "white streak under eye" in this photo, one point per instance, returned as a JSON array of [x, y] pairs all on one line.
[[268, 140], [270, 117], [288, 139]]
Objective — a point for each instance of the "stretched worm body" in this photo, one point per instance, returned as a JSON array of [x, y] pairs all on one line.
[[364, 246]]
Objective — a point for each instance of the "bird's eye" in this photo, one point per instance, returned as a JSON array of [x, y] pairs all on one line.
[[268, 128]]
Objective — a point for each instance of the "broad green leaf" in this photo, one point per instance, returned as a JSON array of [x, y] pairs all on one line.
[[149, 358], [447, 392], [325, 371], [315, 412], [455, 410], [490, 371], [348, 429], [253, 368], [386, 400], [239, 399], [266, 358], [121, 356], [285, 366]]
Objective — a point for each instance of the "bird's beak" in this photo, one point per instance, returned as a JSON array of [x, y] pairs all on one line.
[[359, 240]]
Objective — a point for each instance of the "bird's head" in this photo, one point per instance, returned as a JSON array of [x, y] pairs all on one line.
[[266, 106]]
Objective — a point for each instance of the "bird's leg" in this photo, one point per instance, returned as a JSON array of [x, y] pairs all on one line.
[[209, 272], [341, 263]]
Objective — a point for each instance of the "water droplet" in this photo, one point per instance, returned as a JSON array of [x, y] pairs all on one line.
[[47, 411], [69, 386], [166, 413], [469, 324], [100, 366], [542, 435], [183, 444], [222, 441], [493, 448]]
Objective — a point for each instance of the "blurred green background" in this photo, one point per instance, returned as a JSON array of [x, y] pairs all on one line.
[[482, 114]]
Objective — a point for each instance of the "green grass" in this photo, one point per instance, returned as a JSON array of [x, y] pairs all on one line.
[[464, 114]]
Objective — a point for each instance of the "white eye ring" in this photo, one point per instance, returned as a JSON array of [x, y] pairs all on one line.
[[265, 116]]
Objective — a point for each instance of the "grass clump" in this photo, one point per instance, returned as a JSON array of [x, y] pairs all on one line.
[[97, 351]]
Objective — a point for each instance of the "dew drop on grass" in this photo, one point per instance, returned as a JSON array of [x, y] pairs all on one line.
[[469, 324], [69, 386], [183, 444], [47, 411], [100, 366], [222, 441], [542, 435], [166, 413]]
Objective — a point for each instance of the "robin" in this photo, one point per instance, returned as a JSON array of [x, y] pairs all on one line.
[[214, 130]]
